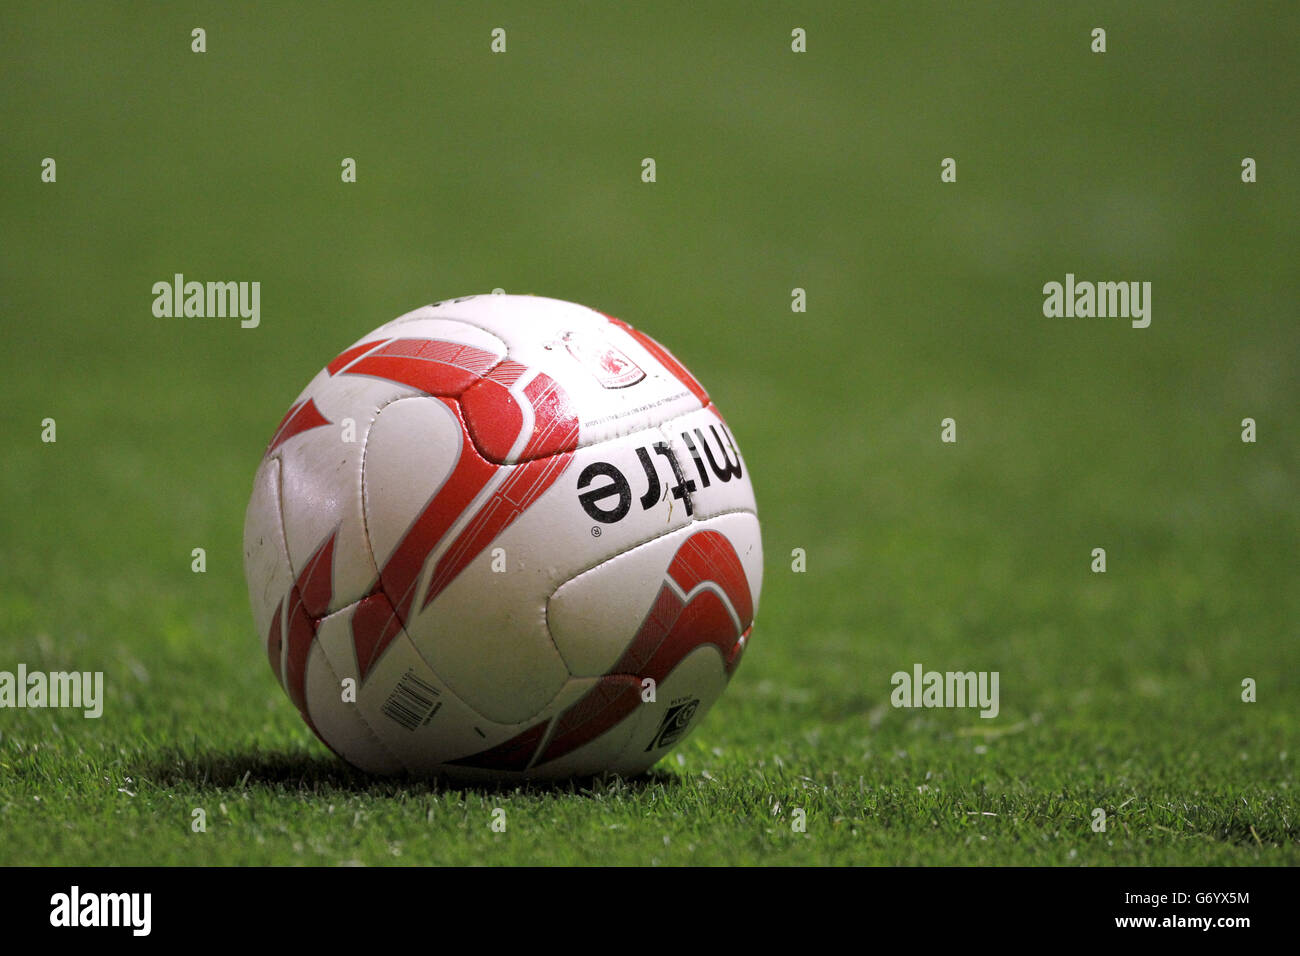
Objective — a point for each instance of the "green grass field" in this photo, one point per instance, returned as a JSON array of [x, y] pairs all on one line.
[[775, 170]]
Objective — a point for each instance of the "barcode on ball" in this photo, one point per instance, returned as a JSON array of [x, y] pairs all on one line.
[[413, 702]]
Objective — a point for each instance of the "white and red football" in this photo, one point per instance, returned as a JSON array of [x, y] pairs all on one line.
[[503, 536]]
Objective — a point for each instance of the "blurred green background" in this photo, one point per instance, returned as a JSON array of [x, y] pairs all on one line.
[[775, 170]]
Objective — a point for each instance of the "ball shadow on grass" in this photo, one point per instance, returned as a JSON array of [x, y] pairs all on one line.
[[305, 772]]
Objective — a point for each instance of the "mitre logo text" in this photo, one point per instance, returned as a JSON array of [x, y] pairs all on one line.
[[612, 500]]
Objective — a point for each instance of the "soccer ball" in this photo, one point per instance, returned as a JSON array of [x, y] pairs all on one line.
[[503, 537]]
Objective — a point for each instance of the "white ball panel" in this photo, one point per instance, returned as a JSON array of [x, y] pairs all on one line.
[[412, 711], [321, 481], [340, 723], [266, 563], [497, 734], [681, 703], [411, 448], [593, 617], [485, 635], [593, 756]]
